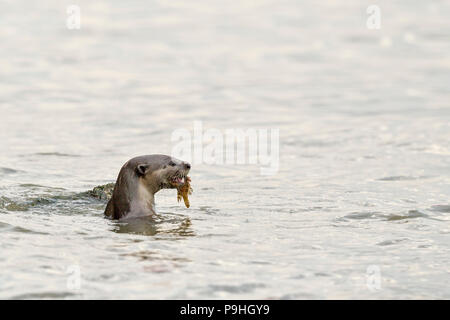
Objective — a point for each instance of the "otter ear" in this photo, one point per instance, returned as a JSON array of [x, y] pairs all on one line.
[[141, 169]]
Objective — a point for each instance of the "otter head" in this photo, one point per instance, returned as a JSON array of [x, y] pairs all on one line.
[[139, 179], [158, 172]]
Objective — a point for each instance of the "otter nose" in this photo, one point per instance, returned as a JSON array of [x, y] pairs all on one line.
[[187, 165]]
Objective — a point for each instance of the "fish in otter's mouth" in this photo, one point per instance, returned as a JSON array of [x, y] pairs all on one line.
[[184, 191], [182, 183]]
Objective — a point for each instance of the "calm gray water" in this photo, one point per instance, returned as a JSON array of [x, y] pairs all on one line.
[[360, 206]]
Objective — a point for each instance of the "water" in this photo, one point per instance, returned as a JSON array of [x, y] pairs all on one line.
[[358, 209]]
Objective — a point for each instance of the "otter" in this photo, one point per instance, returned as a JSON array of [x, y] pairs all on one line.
[[138, 181]]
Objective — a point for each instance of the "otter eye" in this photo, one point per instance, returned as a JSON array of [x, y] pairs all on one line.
[[172, 164]]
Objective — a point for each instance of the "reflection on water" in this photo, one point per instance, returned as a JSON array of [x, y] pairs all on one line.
[[151, 226]]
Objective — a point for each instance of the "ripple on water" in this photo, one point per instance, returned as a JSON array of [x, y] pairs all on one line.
[[243, 288], [44, 295], [36, 195], [56, 154], [359, 216], [392, 242], [209, 210], [402, 178], [33, 186], [441, 208], [157, 256], [10, 227], [5, 171], [411, 214]]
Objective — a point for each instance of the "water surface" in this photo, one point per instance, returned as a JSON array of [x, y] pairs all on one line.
[[364, 178]]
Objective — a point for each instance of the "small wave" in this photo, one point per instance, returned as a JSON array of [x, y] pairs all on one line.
[[38, 186], [391, 242], [360, 215], [209, 210], [43, 295], [401, 178], [243, 288], [56, 154], [149, 255], [409, 215], [441, 208], [4, 225], [5, 170], [10, 227], [24, 202], [383, 216]]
